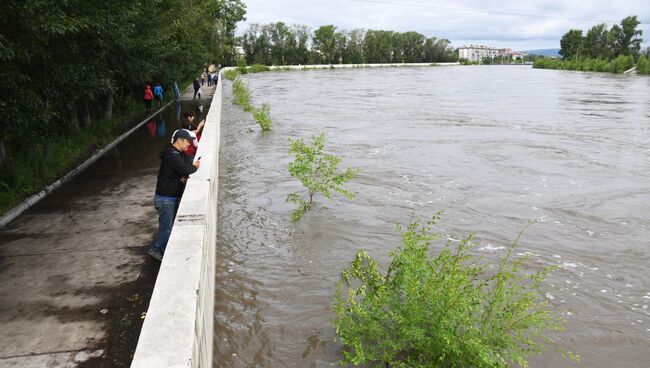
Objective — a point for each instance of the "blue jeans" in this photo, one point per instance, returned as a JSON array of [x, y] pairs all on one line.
[[167, 208]]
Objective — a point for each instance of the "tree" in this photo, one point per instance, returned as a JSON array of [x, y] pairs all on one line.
[[317, 171], [596, 42], [628, 41], [328, 44], [413, 47], [377, 46], [571, 44], [354, 51]]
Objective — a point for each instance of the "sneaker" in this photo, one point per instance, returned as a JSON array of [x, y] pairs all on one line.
[[155, 254]]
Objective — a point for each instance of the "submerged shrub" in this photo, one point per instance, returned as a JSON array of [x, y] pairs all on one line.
[[643, 65], [317, 172], [231, 74], [263, 116], [241, 66], [258, 68], [441, 311], [242, 95]]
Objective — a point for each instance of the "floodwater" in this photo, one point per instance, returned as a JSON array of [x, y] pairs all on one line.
[[492, 146]]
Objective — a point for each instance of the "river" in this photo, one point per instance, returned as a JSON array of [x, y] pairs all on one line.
[[492, 146]]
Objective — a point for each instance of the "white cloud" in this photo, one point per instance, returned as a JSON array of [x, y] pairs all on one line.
[[502, 23]]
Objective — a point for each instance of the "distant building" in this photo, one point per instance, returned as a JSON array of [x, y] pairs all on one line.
[[478, 52], [239, 52]]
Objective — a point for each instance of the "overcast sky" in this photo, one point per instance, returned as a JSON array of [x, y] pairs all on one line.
[[521, 25]]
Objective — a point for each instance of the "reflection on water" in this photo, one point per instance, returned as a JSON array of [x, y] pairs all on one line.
[[492, 146]]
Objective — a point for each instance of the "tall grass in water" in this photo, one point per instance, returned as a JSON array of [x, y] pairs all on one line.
[[263, 116], [231, 74], [242, 96]]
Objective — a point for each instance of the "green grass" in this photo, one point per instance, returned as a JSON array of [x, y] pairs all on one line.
[[43, 162], [242, 96], [231, 74], [258, 68]]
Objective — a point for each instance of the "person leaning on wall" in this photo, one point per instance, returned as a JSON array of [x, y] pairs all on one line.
[[172, 176]]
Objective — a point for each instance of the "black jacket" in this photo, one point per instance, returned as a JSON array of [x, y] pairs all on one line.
[[196, 84], [172, 167]]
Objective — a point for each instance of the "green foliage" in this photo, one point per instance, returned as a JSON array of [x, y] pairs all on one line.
[[279, 44], [316, 171], [258, 68], [447, 310], [618, 65], [66, 61], [643, 65], [242, 96], [263, 116], [571, 44], [241, 66], [603, 43], [231, 74], [47, 160]]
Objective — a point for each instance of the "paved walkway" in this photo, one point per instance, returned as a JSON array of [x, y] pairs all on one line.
[[74, 275], [207, 94]]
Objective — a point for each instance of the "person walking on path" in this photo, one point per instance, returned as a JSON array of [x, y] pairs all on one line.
[[148, 97], [177, 91], [172, 175], [197, 85], [158, 92]]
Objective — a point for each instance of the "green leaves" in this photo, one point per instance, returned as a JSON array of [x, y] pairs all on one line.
[[317, 172], [263, 116], [442, 310], [242, 97]]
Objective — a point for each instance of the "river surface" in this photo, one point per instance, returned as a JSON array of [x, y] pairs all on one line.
[[492, 146]]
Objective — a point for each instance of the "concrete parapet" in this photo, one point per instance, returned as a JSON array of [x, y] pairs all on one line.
[[178, 329]]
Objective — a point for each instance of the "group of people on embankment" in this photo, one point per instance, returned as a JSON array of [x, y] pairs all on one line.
[[157, 93]]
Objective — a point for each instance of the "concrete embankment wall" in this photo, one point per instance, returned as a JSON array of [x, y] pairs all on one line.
[[178, 329]]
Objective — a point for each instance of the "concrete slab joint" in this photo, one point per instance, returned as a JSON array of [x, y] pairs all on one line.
[[178, 329]]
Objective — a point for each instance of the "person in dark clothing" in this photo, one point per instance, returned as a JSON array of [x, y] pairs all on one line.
[[197, 85], [173, 173]]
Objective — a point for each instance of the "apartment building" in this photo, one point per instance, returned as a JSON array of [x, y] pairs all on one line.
[[478, 52]]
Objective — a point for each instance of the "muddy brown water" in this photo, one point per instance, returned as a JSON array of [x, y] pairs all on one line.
[[491, 146]]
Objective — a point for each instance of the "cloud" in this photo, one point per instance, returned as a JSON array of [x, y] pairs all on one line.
[[502, 23]]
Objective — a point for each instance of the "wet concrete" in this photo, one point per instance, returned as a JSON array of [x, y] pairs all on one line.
[[74, 276]]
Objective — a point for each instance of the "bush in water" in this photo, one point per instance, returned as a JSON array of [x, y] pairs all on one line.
[[445, 310], [242, 95], [317, 172], [231, 74], [263, 116]]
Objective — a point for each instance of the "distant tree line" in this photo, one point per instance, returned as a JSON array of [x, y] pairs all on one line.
[[280, 44], [62, 63], [602, 49], [603, 42]]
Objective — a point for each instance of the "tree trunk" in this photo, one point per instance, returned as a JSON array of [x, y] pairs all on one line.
[[3, 152], [108, 106], [84, 113]]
